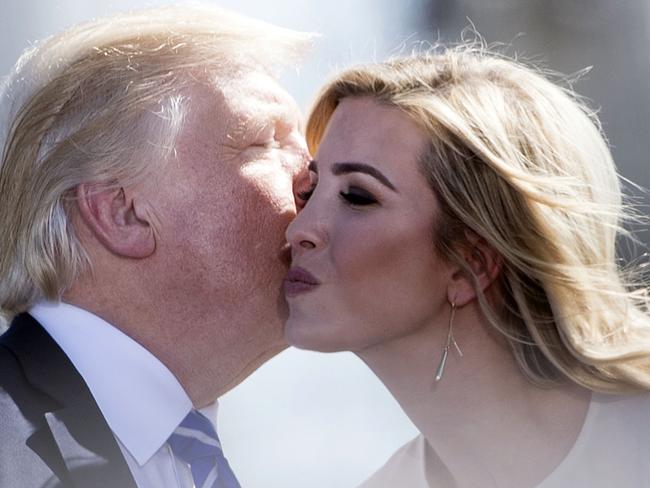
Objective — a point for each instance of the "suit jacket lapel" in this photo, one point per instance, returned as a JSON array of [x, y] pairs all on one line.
[[90, 460], [74, 439]]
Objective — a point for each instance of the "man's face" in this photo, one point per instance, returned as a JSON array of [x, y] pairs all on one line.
[[223, 206]]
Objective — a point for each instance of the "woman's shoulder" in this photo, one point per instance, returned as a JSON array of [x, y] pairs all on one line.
[[407, 467], [613, 447]]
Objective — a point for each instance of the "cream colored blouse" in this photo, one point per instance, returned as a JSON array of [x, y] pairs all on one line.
[[612, 450]]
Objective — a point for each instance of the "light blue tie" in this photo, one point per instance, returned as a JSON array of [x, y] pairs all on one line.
[[195, 442]]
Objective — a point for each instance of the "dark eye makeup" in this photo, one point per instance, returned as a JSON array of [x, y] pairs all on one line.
[[357, 196], [354, 196]]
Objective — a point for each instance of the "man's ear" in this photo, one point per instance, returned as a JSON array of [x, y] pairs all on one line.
[[116, 220], [483, 261]]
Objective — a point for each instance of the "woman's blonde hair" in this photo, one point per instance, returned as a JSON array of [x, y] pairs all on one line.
[[103, 103], [522, 163]]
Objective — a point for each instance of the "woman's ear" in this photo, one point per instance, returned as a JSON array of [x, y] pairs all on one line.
[[118, 222], [481, 265]]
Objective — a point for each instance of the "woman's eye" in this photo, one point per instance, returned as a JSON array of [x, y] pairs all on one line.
[[357, 196]]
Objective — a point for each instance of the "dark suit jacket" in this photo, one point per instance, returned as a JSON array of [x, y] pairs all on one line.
[[52, 434]]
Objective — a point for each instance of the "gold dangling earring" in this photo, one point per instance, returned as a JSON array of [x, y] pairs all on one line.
[[450, 341]]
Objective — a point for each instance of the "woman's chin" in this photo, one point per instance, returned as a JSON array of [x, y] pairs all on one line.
[[313, 337]]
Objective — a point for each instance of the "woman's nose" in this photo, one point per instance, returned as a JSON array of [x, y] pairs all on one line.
[[305, 232]]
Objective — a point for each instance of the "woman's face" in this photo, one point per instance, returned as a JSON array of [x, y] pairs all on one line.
[[364, 266]]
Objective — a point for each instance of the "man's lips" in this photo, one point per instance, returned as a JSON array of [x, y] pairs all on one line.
[[299, 280]]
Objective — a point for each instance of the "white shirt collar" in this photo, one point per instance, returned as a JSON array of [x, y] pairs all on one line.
[[141, 400]]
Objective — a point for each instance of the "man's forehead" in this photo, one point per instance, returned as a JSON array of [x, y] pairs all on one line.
[[256, 91], [238, 106]]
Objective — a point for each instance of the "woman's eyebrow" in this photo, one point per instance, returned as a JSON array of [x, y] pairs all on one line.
[[354, 167]]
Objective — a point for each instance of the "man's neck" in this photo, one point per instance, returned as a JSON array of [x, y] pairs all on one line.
[[204, 370]]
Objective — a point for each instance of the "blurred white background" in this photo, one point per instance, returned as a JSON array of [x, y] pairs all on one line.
[[314, 420]]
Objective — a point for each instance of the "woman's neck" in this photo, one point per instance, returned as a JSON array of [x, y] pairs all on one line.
[[484, 421]]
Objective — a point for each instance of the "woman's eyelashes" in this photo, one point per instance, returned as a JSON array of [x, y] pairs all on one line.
[[353, 195], [358, 197]]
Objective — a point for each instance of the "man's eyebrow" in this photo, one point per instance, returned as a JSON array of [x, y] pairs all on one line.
[[353, 167]]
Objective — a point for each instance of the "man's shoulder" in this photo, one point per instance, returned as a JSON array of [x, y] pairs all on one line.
[[14, 385], [49, 421], [21, 416], [18, 347], [9, 365], [21, 405]]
